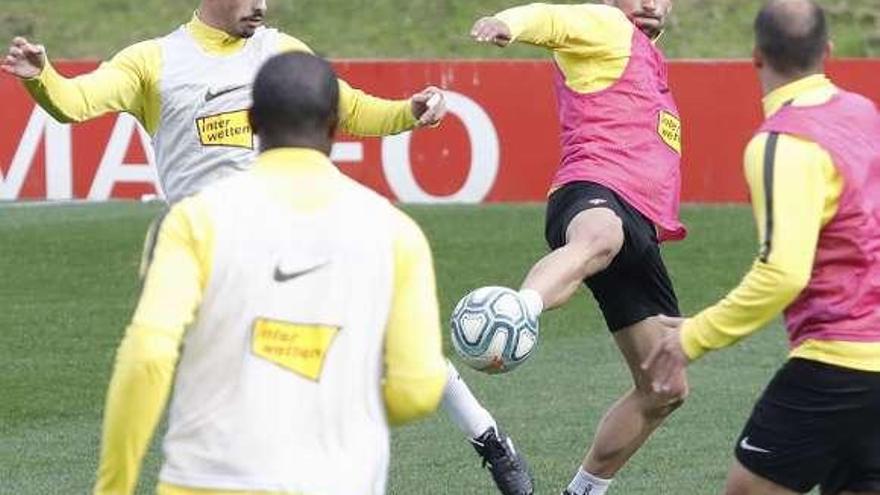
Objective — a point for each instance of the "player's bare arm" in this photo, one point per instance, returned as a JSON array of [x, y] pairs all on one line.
[[491, 30], [24, 59]]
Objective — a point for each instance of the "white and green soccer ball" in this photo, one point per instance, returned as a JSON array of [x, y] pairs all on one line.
[[492, 330]]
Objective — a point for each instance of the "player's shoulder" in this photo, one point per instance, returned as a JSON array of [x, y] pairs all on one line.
[[603, 25], [288, 43], [409, 238], [192, 206], [603, 13], [753, 153], [142, 51], [378, 208], [142, 59], [777, 149], [758, 140]]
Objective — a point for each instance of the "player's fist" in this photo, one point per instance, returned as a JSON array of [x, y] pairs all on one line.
[[428, 106], [491, 30], [24, 60], [666, 363]]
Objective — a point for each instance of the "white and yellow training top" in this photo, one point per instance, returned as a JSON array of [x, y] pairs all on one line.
[[191, 91], [305, 306]]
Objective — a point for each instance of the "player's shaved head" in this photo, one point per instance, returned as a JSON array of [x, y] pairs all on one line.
[[792, 35], [296, 99]]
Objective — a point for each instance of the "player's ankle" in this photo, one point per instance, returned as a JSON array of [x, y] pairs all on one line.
[[585, 482], [533, 301]]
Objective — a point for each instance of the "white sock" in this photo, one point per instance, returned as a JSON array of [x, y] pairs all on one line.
[[462, 407], [534, 301], [585, 483]]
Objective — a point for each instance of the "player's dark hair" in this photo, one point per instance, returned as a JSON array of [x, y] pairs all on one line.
[[792, 35], [295, 101]]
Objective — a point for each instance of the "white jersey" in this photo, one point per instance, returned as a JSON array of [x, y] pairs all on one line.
[[279, 386], [203, 132]]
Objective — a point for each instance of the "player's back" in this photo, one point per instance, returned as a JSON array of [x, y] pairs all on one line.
[[842, 298], [278, 387]]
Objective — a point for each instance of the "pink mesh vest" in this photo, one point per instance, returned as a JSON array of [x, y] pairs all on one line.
[[627, 138], [842, 300]]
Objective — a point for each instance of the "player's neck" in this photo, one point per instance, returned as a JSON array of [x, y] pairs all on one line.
[[772, 80], [324, 145]]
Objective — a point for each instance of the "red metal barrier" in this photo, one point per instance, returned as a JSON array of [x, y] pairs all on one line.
[[499, 144]]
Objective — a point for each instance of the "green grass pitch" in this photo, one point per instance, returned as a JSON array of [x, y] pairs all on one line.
[[68, 285]]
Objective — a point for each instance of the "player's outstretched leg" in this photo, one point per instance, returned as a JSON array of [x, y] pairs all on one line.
[[508, 467], [599, 238], [592, 240]]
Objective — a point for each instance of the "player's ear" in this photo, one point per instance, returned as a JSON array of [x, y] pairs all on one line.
[[255, 128], [332, 125], [829, 50], [757, 58]]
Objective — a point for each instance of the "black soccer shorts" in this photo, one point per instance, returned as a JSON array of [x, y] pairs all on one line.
[[816, 424], [635, 285]]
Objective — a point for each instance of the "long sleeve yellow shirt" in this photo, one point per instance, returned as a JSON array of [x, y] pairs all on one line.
[[591, 44], [805, 191], [129, 82]]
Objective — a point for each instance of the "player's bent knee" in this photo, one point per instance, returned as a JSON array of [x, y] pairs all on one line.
[[658, 405], [670, 404], [666, 405]]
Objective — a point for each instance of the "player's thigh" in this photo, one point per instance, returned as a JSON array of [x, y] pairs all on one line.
[[741, 481], [858, 464], [584, 212], [636, 285], [598, 229]]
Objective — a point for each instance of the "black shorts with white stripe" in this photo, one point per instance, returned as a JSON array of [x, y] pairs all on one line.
[[816, 425], [636, 285]]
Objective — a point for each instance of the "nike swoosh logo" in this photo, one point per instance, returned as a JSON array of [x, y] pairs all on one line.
[[211, 94], [282, 276], [745, 445]]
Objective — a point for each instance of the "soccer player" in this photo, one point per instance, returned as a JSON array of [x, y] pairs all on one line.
[[190, 91], [614, 198], [813, 169], [297, 344]]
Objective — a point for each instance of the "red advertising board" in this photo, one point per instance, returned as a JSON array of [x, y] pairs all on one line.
[[500, 142]]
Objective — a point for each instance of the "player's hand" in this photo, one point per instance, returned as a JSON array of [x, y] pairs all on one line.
[[428, 106], [24, 59], [491, 30], [667, 360]]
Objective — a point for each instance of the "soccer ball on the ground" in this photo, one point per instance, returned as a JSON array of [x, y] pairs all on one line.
[[492, 331]]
